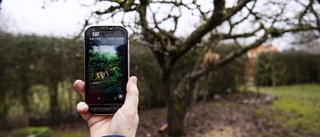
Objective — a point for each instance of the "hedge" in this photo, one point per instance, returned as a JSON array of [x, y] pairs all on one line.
[[289, 67]]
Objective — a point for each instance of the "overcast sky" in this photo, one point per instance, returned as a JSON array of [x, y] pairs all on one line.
[[63, 18], [66, 17]]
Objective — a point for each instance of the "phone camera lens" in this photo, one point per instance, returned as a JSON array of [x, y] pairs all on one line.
[[120, 96]]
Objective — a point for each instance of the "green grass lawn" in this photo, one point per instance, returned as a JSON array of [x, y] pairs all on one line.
[[298, 108]]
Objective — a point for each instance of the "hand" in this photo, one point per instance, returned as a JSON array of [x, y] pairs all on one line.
[[124, 122]]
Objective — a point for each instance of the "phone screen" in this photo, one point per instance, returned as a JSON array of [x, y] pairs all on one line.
[[106, 65]]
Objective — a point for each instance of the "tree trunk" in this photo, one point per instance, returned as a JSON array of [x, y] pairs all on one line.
[[54, 108], [177, 102], [175, 117], [175, 110], [3, 109], [25, 100], [24, 90]]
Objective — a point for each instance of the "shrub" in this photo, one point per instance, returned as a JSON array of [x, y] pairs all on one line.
[[228, 78], [145, 67], [225, 79], [289, 67]]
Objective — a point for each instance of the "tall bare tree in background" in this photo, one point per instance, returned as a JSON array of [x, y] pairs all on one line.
[[3, 105], [155, 24]]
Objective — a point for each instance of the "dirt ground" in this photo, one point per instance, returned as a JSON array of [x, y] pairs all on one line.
[[227, 116]]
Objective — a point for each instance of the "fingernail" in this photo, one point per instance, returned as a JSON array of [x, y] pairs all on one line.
[[134, 80], [82, 107]]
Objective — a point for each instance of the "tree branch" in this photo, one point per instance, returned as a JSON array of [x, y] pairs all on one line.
[[194, 76], [242, 35], [316, 15], [219, 15]]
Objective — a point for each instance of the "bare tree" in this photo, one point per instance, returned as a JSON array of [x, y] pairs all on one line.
[[155, 24], [0, 4]]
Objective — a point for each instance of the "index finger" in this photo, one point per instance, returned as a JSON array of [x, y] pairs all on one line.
[[79, 85]]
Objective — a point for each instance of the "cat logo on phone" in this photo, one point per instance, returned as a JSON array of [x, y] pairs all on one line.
[[95, 33]]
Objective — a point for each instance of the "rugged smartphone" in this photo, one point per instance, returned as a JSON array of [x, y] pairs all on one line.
[[106, 68]]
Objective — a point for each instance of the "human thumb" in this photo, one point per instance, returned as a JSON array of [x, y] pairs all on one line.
[[132, 97]]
